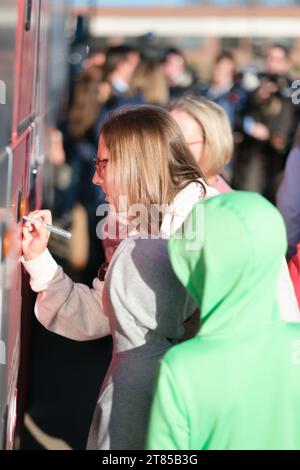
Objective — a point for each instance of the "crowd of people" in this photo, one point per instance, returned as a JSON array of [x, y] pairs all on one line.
[[195, 289]]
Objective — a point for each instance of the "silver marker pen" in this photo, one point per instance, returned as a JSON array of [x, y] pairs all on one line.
[[51, 228]]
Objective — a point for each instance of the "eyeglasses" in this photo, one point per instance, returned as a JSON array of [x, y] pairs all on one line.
[[100, 164]]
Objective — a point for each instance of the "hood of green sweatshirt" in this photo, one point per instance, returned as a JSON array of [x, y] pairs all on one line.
[[232, 270]]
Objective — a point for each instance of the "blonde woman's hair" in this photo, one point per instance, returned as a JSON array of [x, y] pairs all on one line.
[[216, 129], [150, 161]]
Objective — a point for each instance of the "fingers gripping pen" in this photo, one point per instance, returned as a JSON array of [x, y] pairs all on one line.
[[51, 228]]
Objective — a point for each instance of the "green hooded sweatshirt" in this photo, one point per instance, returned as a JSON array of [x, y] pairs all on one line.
[[236, 385]]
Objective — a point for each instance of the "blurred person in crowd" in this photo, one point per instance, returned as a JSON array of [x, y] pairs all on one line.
[[269, 127], [117, 72], [207, 131], [143, 157], [150, 83], [236, 385], [224, 88], [90, 95], [119, 66], [278, 61], [288, 197], [181, 78]]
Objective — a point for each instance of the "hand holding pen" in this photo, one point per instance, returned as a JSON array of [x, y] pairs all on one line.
[[36, 233], [51, 228]]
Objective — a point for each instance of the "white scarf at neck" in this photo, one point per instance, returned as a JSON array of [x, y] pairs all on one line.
[[175, 215]]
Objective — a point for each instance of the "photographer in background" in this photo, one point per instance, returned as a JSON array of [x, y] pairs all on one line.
[[268, 127]]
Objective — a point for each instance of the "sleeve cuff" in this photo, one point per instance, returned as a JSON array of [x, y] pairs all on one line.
[[41, 270]]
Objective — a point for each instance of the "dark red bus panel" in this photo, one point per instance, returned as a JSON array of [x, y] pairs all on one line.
[[9, 19], [28, 65]]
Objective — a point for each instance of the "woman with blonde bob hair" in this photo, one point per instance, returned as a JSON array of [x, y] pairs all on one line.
[[144, 160], [207, 131]]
